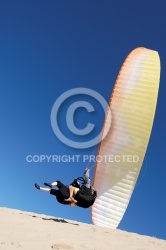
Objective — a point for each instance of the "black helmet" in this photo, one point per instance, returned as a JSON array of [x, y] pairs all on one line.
[[75, 183]]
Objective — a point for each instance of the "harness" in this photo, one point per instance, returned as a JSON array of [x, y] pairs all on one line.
[[85, 196]]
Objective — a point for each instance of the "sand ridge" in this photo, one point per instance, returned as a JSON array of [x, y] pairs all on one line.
[[30, 231]]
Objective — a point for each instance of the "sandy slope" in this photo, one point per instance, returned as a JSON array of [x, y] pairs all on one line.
[[24, 230]]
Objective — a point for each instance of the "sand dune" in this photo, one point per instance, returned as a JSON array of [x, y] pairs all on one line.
[[29, 231]]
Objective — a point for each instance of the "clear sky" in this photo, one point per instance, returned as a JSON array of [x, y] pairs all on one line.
[[48, 47]]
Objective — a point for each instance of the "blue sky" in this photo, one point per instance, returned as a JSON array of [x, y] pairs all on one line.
[[49, 47]]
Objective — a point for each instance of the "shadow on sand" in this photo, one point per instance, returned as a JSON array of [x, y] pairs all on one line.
[[53, 219], [61, 220]]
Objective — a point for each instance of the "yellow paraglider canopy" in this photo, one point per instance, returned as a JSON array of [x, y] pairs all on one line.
[[132, 104]]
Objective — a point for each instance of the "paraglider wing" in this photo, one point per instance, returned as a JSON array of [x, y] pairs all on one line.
[[132, 104]]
